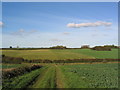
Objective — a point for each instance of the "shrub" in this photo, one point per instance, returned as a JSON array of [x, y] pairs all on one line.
[[58, 47], [85, 47], [101, 48]]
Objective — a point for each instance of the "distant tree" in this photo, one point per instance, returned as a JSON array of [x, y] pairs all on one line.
[[85, 46], [10, 46], [58, 47], [101, 48], [111, 46]]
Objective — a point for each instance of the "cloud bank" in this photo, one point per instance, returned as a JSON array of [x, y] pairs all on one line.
[[98, 23]]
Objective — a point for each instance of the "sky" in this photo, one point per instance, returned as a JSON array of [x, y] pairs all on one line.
[[0, 25], [60, 0], [46, 24]]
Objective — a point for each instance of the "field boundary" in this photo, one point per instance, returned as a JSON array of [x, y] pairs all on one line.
[[8, 59]]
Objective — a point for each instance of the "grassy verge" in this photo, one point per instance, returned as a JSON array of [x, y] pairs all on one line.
[[21, 81], [11, 73]]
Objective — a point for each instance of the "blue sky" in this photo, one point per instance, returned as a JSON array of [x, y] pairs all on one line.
[[39, 24], [60, 0]]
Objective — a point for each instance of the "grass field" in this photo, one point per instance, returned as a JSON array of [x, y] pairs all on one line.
[[62, 54], [68, 76]]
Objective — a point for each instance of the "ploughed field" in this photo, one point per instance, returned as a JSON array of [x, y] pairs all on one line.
[[62, 54], [100, 75]]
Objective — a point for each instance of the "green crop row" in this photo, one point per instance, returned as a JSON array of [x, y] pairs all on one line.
[[91, 76]]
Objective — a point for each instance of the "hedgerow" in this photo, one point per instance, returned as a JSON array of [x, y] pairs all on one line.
[[19, 71], [16, 60]]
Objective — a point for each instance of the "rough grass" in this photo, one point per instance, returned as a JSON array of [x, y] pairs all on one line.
[[62, 54]]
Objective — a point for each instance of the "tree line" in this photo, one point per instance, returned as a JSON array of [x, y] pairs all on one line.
[[98, 48]]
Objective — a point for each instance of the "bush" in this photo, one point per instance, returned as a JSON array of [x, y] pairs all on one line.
[[101, 48], [58, 47], [85, 47]]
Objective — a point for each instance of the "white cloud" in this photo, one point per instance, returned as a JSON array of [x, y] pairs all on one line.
[[94, 24], [1, 23], [23, 32], [66, 33]]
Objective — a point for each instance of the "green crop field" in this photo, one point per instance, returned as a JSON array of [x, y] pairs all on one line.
[[55, 54], [68, 76], [91, 75]]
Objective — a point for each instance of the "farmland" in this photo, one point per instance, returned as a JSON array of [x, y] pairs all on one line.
[[60, 74], [91, 76], [59, 45], [52, 54], [67, 76]]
